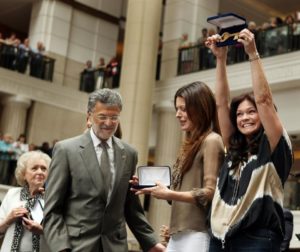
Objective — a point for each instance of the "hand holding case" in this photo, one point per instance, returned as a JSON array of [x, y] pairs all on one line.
[[149, 175], [230, 25]]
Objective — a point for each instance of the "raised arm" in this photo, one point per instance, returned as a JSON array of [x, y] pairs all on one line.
[[222, 92], [262, 92]]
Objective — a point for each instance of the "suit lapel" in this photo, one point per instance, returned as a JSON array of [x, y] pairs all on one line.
[[88, 154], [120, 160]]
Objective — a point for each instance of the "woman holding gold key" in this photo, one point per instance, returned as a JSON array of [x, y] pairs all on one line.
[[247, 211]]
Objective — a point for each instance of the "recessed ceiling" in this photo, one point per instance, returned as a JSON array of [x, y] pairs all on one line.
[[15, 14], [260, 10]]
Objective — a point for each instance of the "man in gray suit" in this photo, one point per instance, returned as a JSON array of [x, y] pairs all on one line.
[[86, 207]]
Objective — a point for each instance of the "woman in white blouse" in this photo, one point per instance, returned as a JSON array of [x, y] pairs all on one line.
[[21, 211]]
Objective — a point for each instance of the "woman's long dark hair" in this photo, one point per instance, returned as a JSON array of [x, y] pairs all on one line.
[[239, 147], [201, 109]]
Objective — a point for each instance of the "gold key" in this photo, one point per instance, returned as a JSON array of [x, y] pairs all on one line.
[[227, 35]]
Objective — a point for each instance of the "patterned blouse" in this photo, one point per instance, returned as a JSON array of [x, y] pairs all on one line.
[[251, 196]]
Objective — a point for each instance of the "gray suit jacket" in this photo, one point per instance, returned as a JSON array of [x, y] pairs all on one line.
[[77, 215]]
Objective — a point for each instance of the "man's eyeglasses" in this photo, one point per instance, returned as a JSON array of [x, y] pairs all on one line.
[[103, 118]]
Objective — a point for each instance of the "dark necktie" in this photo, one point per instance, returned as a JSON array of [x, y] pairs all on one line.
[[105, 166]]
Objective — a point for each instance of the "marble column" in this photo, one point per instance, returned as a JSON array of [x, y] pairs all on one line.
[[50, 23], [138, 72], [14, 115], [168, 142]]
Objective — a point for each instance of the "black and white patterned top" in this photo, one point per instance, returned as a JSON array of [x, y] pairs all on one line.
[[251, 197]]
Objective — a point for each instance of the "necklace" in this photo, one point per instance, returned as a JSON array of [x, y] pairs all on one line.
[[236, 184]]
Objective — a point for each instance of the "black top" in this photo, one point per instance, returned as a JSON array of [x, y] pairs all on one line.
[[251, 196]]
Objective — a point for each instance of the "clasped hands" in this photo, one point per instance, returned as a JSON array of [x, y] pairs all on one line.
[[160, 191], [21, 213]]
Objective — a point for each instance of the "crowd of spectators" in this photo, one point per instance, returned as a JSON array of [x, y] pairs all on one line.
[[101, 76], [10, 151], [18, 55], [273, 22], [278, 35]]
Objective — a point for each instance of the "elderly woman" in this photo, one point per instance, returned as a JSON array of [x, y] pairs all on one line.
[[21, 211]]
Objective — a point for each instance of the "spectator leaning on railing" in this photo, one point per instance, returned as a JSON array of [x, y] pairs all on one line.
[[23, 56], [113, 70], [87, 82], [9, 51], [15, 55], [272, 38], [101, 70], [36, 62], [6, 155]]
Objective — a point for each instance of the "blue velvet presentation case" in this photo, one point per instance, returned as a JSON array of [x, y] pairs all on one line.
[[230, 25], [148, 175]]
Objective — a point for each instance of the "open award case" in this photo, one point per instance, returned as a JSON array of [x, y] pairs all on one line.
[[149, 175], [229, 25]]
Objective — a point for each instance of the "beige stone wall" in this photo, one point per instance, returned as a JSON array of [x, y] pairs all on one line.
[[72, 37], [182, 17], [47, 123], [59, 67], [66, 71], [72, 73]]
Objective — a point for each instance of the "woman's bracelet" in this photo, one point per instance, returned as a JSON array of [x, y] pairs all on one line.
[[256, 57]]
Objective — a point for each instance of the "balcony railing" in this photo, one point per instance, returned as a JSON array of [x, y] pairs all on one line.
[[27, 62], [92, 79], [270, 42]]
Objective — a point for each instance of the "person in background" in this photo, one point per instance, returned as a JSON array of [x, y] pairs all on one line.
[[19, 147], [89, 198], [9, 51], [36, 61], [247, 208], [23, 56], [252, 26], [87, 82], [32, 147], [21, 211], [101, 68], [52, 147], [101, 64], [204, 36], [113, 70], [184, 41], [45, 147], [203, 51], [276, 22], [7, 154], [195, 171], [289, 20]]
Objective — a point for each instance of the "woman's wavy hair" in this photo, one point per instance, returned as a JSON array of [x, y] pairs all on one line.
[[238, 145], [22, 164], [201, 109]]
